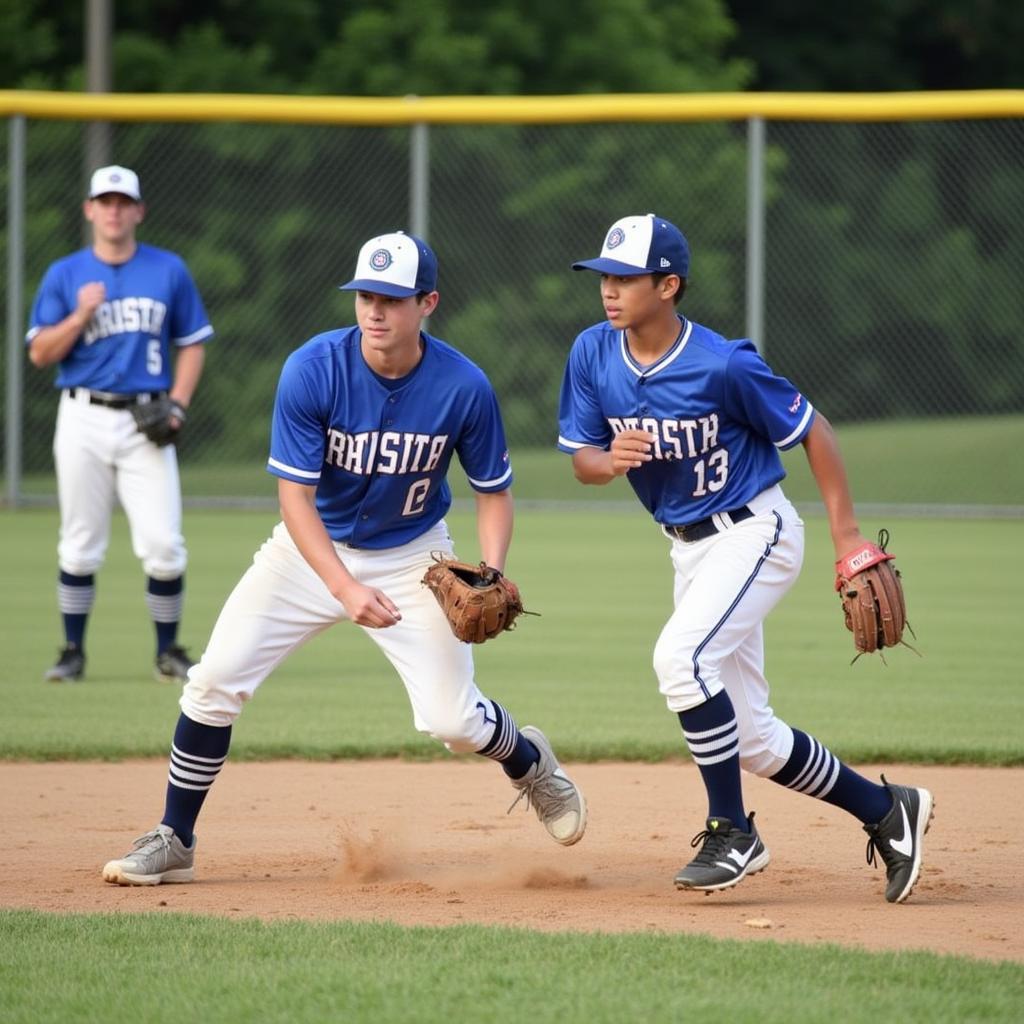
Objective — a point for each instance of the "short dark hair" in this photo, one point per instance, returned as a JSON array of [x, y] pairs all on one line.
[[657, 278]]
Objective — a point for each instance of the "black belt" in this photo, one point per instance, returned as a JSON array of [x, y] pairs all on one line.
[[704, 528], [116, 401]]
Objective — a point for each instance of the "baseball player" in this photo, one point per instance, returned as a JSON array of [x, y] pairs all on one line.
[[110, 316], [366, 421], [695, 423]]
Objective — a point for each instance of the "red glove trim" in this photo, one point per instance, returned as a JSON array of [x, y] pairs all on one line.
[[859, 560]]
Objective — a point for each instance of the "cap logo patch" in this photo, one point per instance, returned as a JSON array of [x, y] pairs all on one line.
[[665, 262], [380, 260], [615, 238], [115, 177]]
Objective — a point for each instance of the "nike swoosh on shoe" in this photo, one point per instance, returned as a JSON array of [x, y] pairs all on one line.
[[905, 844]]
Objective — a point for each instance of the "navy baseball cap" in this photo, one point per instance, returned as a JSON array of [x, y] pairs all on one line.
[[637, 245], [396, 264]]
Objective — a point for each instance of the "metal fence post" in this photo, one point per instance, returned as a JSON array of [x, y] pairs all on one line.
[[755, 232], [15, 327], [419, 180]]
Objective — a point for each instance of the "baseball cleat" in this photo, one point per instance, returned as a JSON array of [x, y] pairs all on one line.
[[899, 838], [70, 666], [551, 793], [158, 856], [172, 665], [727, 855]]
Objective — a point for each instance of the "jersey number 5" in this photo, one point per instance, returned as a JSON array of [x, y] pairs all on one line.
[[711, 473], [154, 357]]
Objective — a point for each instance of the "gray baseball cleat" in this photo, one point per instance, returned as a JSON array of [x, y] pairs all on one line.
[[899, 838], [172, 665], [551, 793], [727, 855], [158, 856]]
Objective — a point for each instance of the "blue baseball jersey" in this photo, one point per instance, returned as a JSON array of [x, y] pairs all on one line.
[[378, 450], [151, 304], [719, 414]]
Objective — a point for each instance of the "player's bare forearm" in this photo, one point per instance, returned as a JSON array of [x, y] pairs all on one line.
[[51, 344], [188, 368], [365, 605], [629, 449], [826, 464], [494, 518]]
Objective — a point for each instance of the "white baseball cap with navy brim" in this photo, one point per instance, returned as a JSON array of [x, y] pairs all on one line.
[[641, 244], [395, 264], [115, 179]]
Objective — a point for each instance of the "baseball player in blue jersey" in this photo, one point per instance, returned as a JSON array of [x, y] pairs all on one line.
[[695, 423], [366, 421], [111, 315]]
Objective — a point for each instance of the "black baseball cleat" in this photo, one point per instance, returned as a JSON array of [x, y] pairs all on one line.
[[726, 857], [172, 665], [899, 837], [70, 666]]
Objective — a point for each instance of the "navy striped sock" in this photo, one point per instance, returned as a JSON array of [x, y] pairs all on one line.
[[165, 598], [812, 769], [75, 597], [508, 746], [197, 756], [713, 737]]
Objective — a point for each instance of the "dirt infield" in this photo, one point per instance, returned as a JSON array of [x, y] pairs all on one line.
[[431, 844]]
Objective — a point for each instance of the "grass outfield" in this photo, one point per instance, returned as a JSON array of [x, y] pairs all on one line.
[[927, 461], [295, 973], [601, 581]]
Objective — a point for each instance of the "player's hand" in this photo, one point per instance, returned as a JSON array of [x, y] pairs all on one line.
[[630, 449], [90, 296], [367, 606], [177, 422]]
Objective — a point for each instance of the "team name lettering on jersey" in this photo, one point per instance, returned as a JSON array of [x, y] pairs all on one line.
[[677, 439], [685, 439], [122, 316], [390, 451]]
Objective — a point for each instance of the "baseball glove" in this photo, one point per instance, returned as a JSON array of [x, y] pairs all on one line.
[[871, 593], [153, 419], [477, 600]]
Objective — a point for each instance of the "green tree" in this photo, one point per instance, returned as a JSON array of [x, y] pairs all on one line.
[[880, 45]]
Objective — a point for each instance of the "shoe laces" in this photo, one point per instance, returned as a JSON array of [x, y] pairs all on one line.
[[715, 845], [869, 853], [545, 793], [889, 856], [155, 840]]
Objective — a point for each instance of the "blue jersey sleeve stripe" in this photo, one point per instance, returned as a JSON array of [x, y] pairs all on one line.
[[191, 339], [795, 436], [482, 484], [304, 473]]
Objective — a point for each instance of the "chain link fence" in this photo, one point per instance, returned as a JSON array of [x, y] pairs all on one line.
[[894, 253]]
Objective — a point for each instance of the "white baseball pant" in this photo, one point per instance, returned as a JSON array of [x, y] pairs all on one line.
[[280, 603], [99, 454], [725, 586]]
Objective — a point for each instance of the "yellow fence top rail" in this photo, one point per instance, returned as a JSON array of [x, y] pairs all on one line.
[[353, 110]]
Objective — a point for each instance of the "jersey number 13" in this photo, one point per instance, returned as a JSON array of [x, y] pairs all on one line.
[[711, 473]]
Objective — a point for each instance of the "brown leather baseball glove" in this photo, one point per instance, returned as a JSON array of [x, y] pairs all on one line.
[[477, 600], [871, 593]]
